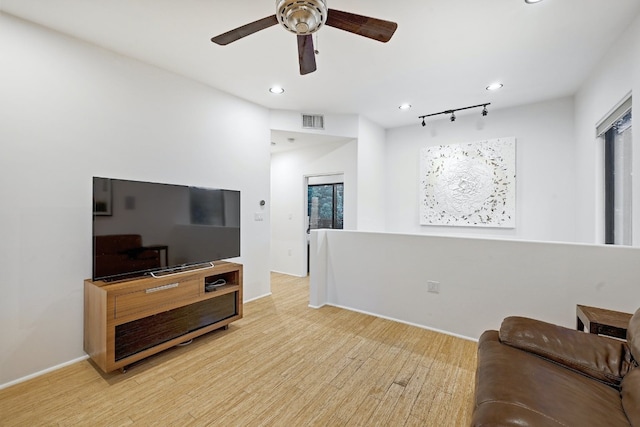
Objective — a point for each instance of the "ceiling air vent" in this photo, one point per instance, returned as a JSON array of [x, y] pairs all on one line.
[[312, 121]]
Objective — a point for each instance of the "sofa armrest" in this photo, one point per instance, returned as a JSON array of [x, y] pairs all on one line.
[[601, 358]]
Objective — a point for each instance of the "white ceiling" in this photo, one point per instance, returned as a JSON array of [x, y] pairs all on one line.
[[443, 55]]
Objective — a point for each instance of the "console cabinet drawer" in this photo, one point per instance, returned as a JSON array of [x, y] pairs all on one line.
[[155, 296], [147, 332]]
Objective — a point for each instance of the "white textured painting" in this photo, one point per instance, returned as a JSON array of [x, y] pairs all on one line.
[[469, 184]]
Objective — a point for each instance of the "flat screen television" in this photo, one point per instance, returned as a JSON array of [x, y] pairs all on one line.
[[143, 228]]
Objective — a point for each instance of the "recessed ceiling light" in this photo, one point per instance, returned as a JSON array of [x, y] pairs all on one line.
[[276, 89], [405, 106], [532, 1], [494, 86]]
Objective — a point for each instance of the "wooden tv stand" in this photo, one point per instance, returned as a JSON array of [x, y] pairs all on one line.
[[125, 322]]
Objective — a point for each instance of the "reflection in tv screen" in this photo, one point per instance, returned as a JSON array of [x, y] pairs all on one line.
[[143, 227]]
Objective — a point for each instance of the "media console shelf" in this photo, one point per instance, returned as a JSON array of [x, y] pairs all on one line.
[[125, 322]]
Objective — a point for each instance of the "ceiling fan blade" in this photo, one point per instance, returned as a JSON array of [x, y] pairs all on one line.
[[372, 28], [245, 30], [306, 54]]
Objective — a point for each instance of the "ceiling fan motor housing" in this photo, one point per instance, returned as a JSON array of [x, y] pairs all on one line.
[[301, 16]]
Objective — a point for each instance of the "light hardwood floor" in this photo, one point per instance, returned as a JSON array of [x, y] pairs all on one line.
[[284, 364]]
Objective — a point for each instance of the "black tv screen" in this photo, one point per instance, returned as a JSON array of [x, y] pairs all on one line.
[[141, 228]]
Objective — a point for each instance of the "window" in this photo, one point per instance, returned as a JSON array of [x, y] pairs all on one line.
[[617, 134], [326, 206]]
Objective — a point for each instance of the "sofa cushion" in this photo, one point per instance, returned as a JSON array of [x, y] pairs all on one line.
[[633, 336], [601, 358], [517, 388], [630, 394]]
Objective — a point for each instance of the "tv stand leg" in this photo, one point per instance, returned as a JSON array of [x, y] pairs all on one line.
[[124, 369]]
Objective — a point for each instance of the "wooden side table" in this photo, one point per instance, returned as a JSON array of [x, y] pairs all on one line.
[[602, 321]]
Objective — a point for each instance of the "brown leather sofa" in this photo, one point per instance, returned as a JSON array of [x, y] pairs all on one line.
[[532, 373]]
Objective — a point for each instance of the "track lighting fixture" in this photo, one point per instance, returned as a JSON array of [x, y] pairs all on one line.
[[453, 112]]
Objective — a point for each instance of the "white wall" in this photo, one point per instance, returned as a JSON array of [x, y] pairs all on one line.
[[545, 169], [617, 75], [371, 176], [288, 198], [70, 111], [481, 281]]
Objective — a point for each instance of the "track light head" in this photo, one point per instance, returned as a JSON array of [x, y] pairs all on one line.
[[453, 116], [484, 111], [423, 122]]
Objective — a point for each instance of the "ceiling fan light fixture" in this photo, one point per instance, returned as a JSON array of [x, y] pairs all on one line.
[[301, 17]]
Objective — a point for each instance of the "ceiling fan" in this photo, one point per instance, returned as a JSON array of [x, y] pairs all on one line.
[[305, 17]]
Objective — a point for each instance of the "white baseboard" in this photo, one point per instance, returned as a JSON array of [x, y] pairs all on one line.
[[401, 321], [45, 371], [258, 297]]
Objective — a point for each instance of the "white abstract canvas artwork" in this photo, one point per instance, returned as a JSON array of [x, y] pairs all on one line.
[[471, 184]]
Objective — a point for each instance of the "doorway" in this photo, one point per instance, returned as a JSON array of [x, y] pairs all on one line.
[[325, 205]]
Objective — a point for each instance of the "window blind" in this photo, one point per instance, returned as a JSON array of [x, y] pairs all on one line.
[[612, 118]]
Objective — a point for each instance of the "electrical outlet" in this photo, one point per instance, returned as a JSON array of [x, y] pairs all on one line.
[[433, 286]]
